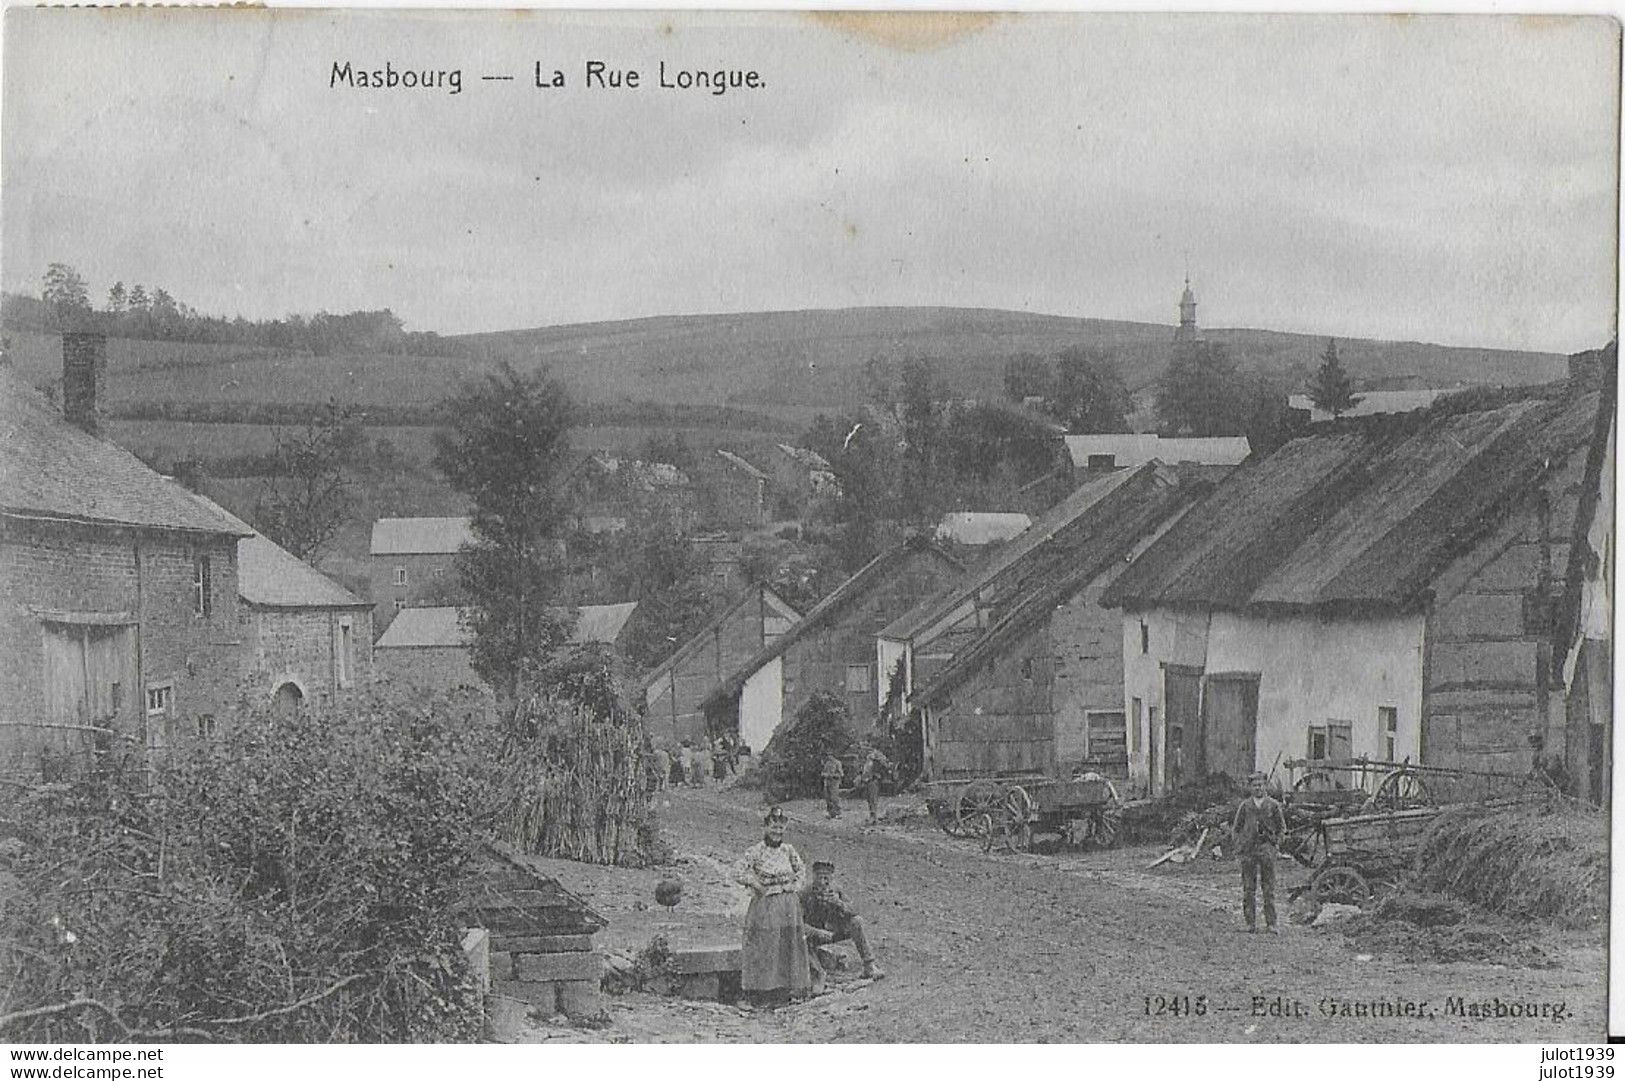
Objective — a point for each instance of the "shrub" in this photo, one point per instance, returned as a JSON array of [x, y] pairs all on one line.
[[789, 766], [294, 881]]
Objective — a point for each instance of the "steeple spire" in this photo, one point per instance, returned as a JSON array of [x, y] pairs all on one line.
[[1187, 313]]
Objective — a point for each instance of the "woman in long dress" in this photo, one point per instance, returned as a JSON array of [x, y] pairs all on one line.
[[774, 964]]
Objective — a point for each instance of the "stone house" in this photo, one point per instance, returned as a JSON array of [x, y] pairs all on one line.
[[413, 558], [119, 628], [1017, 668], [1382, 588], [738, 494], [831, 648], [673, 691]]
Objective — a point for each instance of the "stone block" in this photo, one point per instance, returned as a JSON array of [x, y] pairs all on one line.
[[706, 959], [542, 943], [580, 998], [501, 965], [540, 993], [704, 986], [477, 948], [559, 966]]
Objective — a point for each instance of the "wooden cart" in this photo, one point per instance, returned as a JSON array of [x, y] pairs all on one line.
[[1010, 811], [1351, 857]]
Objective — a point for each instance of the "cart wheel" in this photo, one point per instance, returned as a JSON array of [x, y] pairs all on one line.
[[1398, 790], [979, 797], [1340, 885], [1316, 781], [982, 826], [1109, 824]]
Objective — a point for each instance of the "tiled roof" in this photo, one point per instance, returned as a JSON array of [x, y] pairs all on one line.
[[269, 575], [444, 626], [700, 637], [51, 469], [420, 536], [739, 463], [1363, 515]]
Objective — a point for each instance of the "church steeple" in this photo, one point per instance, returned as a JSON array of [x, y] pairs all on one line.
[[1187, 314]]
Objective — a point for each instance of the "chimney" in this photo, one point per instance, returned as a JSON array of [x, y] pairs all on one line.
[[84, 356]]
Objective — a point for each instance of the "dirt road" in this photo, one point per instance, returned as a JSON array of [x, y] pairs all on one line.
[[999, 947]]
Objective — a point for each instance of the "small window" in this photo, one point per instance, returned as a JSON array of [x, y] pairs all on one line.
[[1136, 713], [205, 726], [400, 576], [1388, 726], [1145, 637], [344, 651], [202, 587], [1331, 742], [857, 678], [160, 697], [400, 605], [1027, 668], [1102, 461], [1317, 743], [116, 693]]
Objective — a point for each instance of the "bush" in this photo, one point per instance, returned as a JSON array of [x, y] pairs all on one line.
[[789, 766], [294, 881]]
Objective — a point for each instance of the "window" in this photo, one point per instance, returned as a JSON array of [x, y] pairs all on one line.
[[1136, 711], [1102, 461], [400, 576], [1027, 668], [857, 678], [160, 697], [202, 587], [1331, 742], [205, 726], [1388, 729], [400, 605], [1145, 637], [117, 696], [344, 648]]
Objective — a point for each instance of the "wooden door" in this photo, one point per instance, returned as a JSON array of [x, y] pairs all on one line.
[[1182, 720], [1230, 724], [89, 680]]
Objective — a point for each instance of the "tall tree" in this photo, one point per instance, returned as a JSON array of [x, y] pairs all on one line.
[[117, 298], [65, 295], [1026, 376], [1333, 389], [307, 498], [1088, 392], [506, 450], [1200, 392]]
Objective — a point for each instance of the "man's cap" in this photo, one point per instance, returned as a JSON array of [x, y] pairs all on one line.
[[1256, 775], [823, 865]]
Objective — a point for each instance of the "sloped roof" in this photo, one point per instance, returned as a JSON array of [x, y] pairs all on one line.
[[980, 527], [700, 637], [444, 626], [1372, 402], [1362, 515], [51, 469], [273, 577], [1063, 514], [831, 605], [1131, 449], [420, 536], [741, 464]]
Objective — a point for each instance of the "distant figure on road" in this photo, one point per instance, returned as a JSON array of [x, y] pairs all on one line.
[[1256, 832], [661, 764], [831, 919], [719, 760], [774, 964], [831, 775], [875, 766]]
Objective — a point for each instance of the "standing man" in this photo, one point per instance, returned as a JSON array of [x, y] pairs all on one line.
[[831, 775], [875, 766], [662, 768], [1256, 832]]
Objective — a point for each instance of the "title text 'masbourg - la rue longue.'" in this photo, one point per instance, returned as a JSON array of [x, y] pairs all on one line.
[[595, 75]]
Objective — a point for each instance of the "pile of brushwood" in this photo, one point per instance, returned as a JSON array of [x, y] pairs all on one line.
[[1543, 860], [293, 880], [1424, 926], [1180, 816], [789, 765], [572, 773]]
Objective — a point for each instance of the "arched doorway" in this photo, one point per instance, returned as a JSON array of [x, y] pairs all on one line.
[[287, 699]]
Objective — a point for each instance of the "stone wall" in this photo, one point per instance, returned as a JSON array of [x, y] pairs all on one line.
[[302, 646], [426, 576]]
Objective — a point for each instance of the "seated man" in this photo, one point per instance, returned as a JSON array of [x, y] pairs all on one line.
[[830, 919]]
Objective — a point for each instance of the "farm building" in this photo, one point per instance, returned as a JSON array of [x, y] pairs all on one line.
[[120, 631], [1383, 588], [673, 692], [804, 472], [738, 493], [412, 558], [831, 648], [975, 529], [1090, 454], [1018, 668], [603, 489], [305, 637], [430, 647]]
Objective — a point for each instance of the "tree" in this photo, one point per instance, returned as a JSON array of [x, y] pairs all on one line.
[[1088, 393], [306, 499], [66, 296], [117, 298], [506, 450], [1333, 389], [1200, 393], [1026, 376]]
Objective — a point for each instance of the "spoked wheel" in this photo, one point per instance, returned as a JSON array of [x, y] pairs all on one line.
[[1108, 826], [980, 797], [1018, 813], [1340, 885], [1316, 781], [1400, 789]]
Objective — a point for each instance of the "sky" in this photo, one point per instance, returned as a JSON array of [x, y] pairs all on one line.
[[1446, 179]]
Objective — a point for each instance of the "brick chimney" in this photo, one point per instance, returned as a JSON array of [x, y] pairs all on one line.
[[84, 356]]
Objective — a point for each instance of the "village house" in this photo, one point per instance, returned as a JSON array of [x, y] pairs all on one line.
[[413, 558], [1090, 455], [606, 493], [738, 495], [976, 529], [673, 691], [804, 472], [1380, 588], [431, 648], [831, 648], [1016, 668], [120, 632]]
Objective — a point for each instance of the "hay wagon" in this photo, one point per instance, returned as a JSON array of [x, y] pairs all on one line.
[[1351, 857], [1011, 811]]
